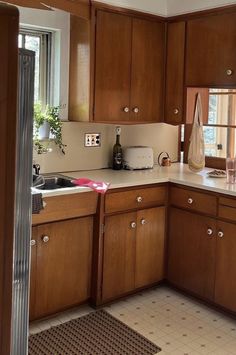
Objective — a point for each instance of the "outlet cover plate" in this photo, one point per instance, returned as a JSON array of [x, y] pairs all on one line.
[[92, 140]]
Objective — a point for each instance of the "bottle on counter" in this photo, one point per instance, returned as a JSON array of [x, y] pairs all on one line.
[[117, 152]]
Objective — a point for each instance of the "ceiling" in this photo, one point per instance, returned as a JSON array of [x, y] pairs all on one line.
[[169, 7]]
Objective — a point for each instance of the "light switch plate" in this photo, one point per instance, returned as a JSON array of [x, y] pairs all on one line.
[[92, 139]]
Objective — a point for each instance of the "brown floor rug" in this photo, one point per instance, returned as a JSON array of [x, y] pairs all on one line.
[[97, 333]]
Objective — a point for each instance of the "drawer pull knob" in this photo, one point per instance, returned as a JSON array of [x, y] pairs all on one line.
[[143, 221], [126, 109], [45, 239], [136, 110], [139, 199], [209, 231], [229, 72], [133, 225], [220, 234], [32, 242], [190, 201], [176, 111]]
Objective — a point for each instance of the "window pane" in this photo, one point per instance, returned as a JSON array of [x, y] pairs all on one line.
[[222, 107], [220, 141], [33, 43], [20, 41]]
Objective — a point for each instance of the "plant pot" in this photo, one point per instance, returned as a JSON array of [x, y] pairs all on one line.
[[44, 131]]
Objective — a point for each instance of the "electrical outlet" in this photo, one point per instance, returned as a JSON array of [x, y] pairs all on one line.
[[92, 139]]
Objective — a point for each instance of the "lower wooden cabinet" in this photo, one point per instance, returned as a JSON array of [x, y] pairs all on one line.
[[201, 256], [191, 252], [225, 279], [119, 255], [61, 260], [133, 251], [150, 244]]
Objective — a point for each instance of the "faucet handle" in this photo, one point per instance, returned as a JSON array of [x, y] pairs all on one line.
[[36, 168]]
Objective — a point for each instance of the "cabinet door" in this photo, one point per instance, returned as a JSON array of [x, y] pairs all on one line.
[[211, 56], [191, 262], [33, 263], [63, 265], [147, 76], [112, 67], [175, 73], [225, 282], [119, 255], [150, 242]]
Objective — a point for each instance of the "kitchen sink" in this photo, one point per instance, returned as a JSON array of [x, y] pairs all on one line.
[[54, 182]]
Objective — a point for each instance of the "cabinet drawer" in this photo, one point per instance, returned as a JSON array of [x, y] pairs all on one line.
[[227, 208], [133, 199], [67, 206], [192, 200]]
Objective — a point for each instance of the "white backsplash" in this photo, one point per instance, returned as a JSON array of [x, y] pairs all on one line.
[[159, 136]]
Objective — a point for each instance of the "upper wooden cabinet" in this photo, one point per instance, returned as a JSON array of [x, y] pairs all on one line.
[[129, 69], [175, 56], [211, 59], [112, 67]]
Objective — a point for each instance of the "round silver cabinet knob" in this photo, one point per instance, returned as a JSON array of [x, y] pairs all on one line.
[[220, 234], [126, 109], [45, 239], [136, 110], [32, 242], [176, 111], [133, 225], [143, 221], [190, 201], [229, 72], [139, 199], [209, 231]]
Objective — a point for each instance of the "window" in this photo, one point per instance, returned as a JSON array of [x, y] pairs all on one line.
[[219, 120], [220, 132], [40, 43]]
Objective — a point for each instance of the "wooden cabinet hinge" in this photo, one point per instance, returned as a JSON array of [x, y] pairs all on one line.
[[102, 228]]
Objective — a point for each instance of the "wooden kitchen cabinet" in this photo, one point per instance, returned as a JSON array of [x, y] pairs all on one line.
[[225, 285], [129, 69], [150, 246], [60, 265], [175, 65], [112, 67], [133, 251], [119, 255], [210, 51], [33, 265], [191, 252]]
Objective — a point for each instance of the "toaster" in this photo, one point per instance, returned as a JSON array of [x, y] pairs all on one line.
[[138, 157]]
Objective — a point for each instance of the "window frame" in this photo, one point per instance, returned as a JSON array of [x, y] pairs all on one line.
[[211, 161], [45, 60]]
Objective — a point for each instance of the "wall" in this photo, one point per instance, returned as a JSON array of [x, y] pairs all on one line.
[[158, 7], [176, 7], [58, 21], [160, 136]]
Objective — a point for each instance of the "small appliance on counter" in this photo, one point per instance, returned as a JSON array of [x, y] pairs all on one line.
[[138, 158]]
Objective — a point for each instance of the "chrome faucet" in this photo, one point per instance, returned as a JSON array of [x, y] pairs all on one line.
[[36, 168]]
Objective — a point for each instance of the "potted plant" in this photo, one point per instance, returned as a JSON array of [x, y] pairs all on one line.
[[47, 126]]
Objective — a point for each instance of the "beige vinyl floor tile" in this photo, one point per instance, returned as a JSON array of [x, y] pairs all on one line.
[[178, 324]]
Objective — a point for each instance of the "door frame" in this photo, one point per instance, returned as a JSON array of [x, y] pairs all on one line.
[[8, 121]]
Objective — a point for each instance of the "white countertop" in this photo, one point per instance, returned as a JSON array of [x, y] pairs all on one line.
[[177, 173]]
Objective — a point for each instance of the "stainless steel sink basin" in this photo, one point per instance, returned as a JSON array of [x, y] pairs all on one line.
[[54, 182]]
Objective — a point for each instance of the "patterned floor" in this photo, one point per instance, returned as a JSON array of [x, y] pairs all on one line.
[[178, 324]]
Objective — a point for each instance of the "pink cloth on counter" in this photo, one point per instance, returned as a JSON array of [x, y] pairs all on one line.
[[98, 186]]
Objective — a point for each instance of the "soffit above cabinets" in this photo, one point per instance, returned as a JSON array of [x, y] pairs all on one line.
[[169, 7]]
